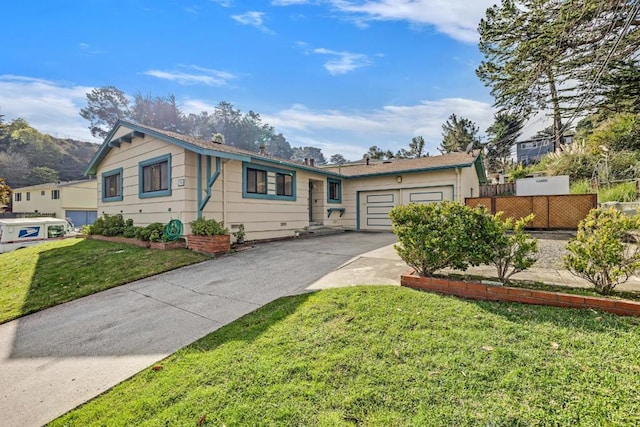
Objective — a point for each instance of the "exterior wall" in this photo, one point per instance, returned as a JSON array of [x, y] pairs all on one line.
[[76, 196], [143, 211]]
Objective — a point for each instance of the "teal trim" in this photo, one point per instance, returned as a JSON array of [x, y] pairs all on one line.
[[106, 175], [358, 210], [271, 190], [480, 169], [211, 179], [334, 181], [159, 193], [403, 171]]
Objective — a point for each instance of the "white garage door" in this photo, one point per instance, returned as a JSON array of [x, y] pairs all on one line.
[[375, 205]]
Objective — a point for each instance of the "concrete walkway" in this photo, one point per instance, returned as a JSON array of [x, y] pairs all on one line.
[[54, 360]]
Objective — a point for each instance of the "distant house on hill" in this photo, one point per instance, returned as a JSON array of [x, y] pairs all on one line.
[[532, 150]]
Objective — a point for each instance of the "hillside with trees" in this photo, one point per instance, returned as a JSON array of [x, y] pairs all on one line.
[[28, 157]]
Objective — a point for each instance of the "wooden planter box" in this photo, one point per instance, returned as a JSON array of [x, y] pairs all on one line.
[[209, 244], [481, 291]]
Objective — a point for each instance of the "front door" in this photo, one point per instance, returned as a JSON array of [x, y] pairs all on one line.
[[310, 205]]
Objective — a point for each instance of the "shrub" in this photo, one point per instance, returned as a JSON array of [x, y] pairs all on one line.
[[582, 186], [208, 227], [440, 235], [153, 232], [510, 252], [108, 225], [599, 254], [624, 192]]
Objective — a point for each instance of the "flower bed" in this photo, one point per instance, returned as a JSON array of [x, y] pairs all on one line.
[[481, 291], [118, 239]]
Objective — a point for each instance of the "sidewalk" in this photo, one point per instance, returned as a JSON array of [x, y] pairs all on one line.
[[383, 267]]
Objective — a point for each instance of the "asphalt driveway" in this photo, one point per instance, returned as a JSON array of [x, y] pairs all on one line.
[[54, 360]]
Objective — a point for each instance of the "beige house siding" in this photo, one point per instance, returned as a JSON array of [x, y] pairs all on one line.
[[72, 196]]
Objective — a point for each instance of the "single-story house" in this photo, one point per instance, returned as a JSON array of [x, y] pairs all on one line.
[[73, 200], [152, 175]]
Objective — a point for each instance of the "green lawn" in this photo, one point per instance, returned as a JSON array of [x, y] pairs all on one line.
[[51, 273], [390, 356]]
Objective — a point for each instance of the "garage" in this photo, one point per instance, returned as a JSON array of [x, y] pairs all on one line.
[[374, 206], [80, 218]]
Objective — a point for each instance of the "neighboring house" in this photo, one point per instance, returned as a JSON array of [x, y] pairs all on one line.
[[74, 200], [532, 150], [150, 175]]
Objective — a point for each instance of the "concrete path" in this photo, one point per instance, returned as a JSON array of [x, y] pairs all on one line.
[[54, 360]]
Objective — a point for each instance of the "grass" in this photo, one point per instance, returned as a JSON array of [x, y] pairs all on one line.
[[621, 192], [389, 356], [51, 273]]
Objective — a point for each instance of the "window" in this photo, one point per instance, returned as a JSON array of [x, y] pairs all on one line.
[[266, 182], [284, 184], [256, 181], [545, 142], [155, 177], [17, 197], [28, 196], [42, 193], [523, 159], [334, 191], [55, 231], [112, 186], [55, 194]]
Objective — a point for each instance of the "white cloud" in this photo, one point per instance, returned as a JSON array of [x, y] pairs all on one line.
[[51, 107], [206, 76], [289, 2], [343, 62], [390, 127], [253, 19], [223, 3], [458, 19]]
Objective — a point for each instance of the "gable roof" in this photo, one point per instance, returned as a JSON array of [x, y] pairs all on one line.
[[422, 164]]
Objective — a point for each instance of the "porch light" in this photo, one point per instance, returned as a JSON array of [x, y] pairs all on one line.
[[399, 179]]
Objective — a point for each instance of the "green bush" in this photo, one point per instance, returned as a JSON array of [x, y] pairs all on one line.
[[208, 227], [582, 186], [153, 232], [439, 235], [511, 249], [599, 253], [624, 192], [108, 225]]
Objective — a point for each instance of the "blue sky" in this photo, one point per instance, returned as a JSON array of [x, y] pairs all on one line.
[[341, 75]]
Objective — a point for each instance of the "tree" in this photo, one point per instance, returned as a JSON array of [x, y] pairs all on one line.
[[158, 112], [620, 90], [338, 159], [536, 51], [13, 167], [5, 192], [105, 106], [620, 132], [301, 153], [278, 146], [457, 134], [416, 149], [503, 134], [376, 153], [42, 175]]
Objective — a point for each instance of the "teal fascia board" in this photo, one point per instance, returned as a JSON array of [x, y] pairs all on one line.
[[480, 169], [211, 179], [400, 172]]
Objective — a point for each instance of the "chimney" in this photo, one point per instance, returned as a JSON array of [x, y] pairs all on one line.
[[218, 138], [263, 150], [312, 162], [367, 161], [306, 161]]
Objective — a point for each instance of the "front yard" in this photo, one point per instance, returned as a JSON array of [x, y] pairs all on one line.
[[51, 273], [390, 356]]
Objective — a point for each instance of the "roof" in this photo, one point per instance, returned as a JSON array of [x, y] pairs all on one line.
[[422, 164], [54, 184]]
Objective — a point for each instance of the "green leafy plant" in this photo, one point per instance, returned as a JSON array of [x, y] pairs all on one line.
[[511, 249], [439, 235], [208, 227], [599, 253], [240, 234], [108, 225], [153, 232], [623, 192]]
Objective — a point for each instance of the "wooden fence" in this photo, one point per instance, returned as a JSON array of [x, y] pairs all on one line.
[[491, 190], [551, 212]]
